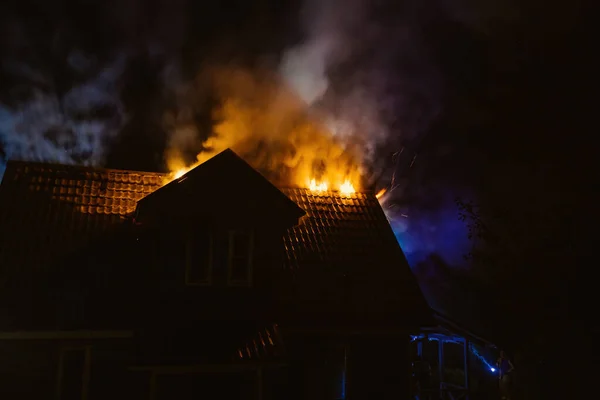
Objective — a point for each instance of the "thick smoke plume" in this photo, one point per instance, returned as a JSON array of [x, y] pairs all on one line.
[[329, 107], [340, 77], [58, 103], [71, 128], [358, 86], [271, 127]]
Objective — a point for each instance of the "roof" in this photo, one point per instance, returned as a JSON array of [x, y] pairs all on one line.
[[348, 242], [337, 229], [48, 211], [212, 189], [452, 327]]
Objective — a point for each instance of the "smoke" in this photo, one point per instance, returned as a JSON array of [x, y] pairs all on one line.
[[62, 81], [373, 81], [305, 67], [74, 127], [368, 76], [358, 85], [266, 123], [330, 105]]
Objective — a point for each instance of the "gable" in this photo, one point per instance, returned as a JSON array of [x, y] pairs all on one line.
[[224, 187]]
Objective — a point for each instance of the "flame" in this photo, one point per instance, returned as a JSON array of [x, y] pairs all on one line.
[[275, 132], [381, 193], [317, 187], [179, 173], [177, 168], [347, 188]]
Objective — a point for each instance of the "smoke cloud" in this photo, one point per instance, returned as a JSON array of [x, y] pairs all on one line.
[[74, 127], [351, 71], [358, 85], [328, 108], [354, 90], [306, 66], [267, 124]]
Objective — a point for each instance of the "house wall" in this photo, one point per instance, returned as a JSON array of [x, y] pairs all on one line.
[[224, 385], [160, 260], [378, 368], [30, 369], [110, 376], [359, 367]]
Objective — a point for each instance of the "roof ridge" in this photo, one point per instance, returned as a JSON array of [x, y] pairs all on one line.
[[326, 193]]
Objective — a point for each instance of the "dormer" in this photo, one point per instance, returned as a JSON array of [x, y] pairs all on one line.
[[224, 190], [222, 222]]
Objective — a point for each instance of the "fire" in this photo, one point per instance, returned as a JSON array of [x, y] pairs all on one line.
[[347, 188], [317, 187], [179, 173], [381, 193], [273, 130], [177, 168]]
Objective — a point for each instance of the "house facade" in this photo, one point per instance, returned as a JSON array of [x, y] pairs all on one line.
[[217, 284]]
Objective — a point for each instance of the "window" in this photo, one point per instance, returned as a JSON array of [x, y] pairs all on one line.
[[74, 373], [239, 263], [199, 259]]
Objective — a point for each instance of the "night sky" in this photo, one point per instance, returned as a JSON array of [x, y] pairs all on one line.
[[492, 97]]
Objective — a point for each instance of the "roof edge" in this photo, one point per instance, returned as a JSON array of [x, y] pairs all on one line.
[[456, 326], [277, 185]]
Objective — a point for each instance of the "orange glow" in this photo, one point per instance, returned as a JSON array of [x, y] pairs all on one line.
[[317, 187], [381, 193], [179, 173], [177, 168], [176, 174], [347, 188], [274, 131]]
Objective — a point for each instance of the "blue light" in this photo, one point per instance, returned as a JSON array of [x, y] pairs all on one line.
[[473, 350], [483, 360]]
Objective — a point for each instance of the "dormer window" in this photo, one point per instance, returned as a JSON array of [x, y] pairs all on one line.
[[199, 259], [239, 263]]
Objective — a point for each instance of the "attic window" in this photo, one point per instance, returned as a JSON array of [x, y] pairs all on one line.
[[241, 246], [199, 259]]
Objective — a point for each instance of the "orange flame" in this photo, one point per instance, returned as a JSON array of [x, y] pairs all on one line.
[[273, 131], [179, 173], [178, 169], [381, 193], [347, 188], [317, 187]]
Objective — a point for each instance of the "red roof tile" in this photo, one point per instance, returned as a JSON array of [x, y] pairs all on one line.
[[345, 252], [336, 229], [46, 210]]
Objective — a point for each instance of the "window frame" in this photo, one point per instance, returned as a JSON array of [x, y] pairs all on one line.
[[188, 261], [85, 373], [250, 256]]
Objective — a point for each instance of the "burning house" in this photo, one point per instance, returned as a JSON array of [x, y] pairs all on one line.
[[218, 283]]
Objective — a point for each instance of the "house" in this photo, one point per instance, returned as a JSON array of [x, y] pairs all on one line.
[[217, 284]]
